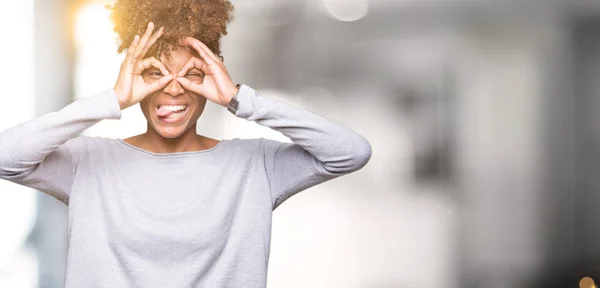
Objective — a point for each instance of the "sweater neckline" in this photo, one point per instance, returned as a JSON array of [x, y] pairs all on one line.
[[137, 149]]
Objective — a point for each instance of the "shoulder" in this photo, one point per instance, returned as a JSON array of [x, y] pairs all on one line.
[[263, 146], [95, 143], [83, 145], [74, 145], [255, 144], [254, 141], [95, 140]]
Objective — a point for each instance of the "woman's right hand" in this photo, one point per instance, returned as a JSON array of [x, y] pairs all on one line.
[[131, 87]]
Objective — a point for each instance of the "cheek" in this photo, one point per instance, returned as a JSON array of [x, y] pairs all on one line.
[[146, 104], [200, 101], [199, 104]]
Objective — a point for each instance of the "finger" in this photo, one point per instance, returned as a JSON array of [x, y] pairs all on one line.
[[149, 63], [143, 41], [152, 40], [161, 83], [198, 45], [131, 50], [189, 85], [204, 53], [190, 64], [203, 46], [207, 59], [207, 55]]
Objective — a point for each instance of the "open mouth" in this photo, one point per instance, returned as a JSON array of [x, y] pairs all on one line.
[[171, 113]]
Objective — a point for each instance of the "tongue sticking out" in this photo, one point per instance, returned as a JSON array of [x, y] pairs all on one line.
[[164, 112]]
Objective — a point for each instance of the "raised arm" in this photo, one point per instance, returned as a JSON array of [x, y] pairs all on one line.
[[43, 153], [321, 149]]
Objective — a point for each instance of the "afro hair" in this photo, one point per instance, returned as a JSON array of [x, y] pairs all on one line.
[[205, 20]]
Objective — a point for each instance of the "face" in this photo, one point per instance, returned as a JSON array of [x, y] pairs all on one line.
[[172, 111]]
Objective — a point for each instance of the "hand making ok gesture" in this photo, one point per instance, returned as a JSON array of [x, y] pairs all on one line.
[[131, 87], [217, 85]]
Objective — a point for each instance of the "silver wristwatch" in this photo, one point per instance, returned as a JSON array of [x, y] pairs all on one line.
[[233, 103]]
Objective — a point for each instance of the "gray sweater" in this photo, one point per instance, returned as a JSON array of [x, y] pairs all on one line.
[[188, 219]]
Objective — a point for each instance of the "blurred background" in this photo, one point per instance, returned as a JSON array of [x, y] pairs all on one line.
[[482, 115]]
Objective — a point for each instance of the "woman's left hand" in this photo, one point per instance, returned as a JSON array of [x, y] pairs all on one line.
[[217, 85]]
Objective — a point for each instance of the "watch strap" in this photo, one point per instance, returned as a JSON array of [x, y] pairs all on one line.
[[233, 103]]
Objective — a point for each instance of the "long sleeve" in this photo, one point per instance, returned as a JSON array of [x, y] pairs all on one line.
[[43, 153], [321, 149]]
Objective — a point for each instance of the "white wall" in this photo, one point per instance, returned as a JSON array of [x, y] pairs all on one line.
[[18, 204]]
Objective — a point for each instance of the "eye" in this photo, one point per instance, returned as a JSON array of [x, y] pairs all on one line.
[[193, 74], [152, 74]]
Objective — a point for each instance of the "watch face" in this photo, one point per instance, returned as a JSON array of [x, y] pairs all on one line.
[[233, 105]]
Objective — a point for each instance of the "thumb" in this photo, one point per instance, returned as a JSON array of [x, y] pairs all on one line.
[[161, 83], [189, 85]]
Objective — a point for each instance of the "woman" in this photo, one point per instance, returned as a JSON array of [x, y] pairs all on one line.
[[170, 208]]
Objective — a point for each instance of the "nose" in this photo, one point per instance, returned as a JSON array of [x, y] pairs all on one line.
[[173, 88]]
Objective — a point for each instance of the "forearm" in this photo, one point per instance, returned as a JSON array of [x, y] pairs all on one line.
[[337, 147], [25, 145]]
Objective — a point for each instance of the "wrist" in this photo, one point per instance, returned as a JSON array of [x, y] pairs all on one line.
[[122, 105], [231, 95], [232, 103]]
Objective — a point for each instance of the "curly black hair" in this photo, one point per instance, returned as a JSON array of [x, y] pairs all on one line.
[[205, 20]]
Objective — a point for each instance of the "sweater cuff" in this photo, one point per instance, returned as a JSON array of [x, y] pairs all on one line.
[[108, 101], [246, 99]]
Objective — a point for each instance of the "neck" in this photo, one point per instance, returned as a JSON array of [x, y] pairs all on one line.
[[186, 142]]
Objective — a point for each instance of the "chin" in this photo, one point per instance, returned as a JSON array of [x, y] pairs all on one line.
[[169, 132]]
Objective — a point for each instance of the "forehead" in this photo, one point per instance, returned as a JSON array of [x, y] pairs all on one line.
[[178, 57]]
